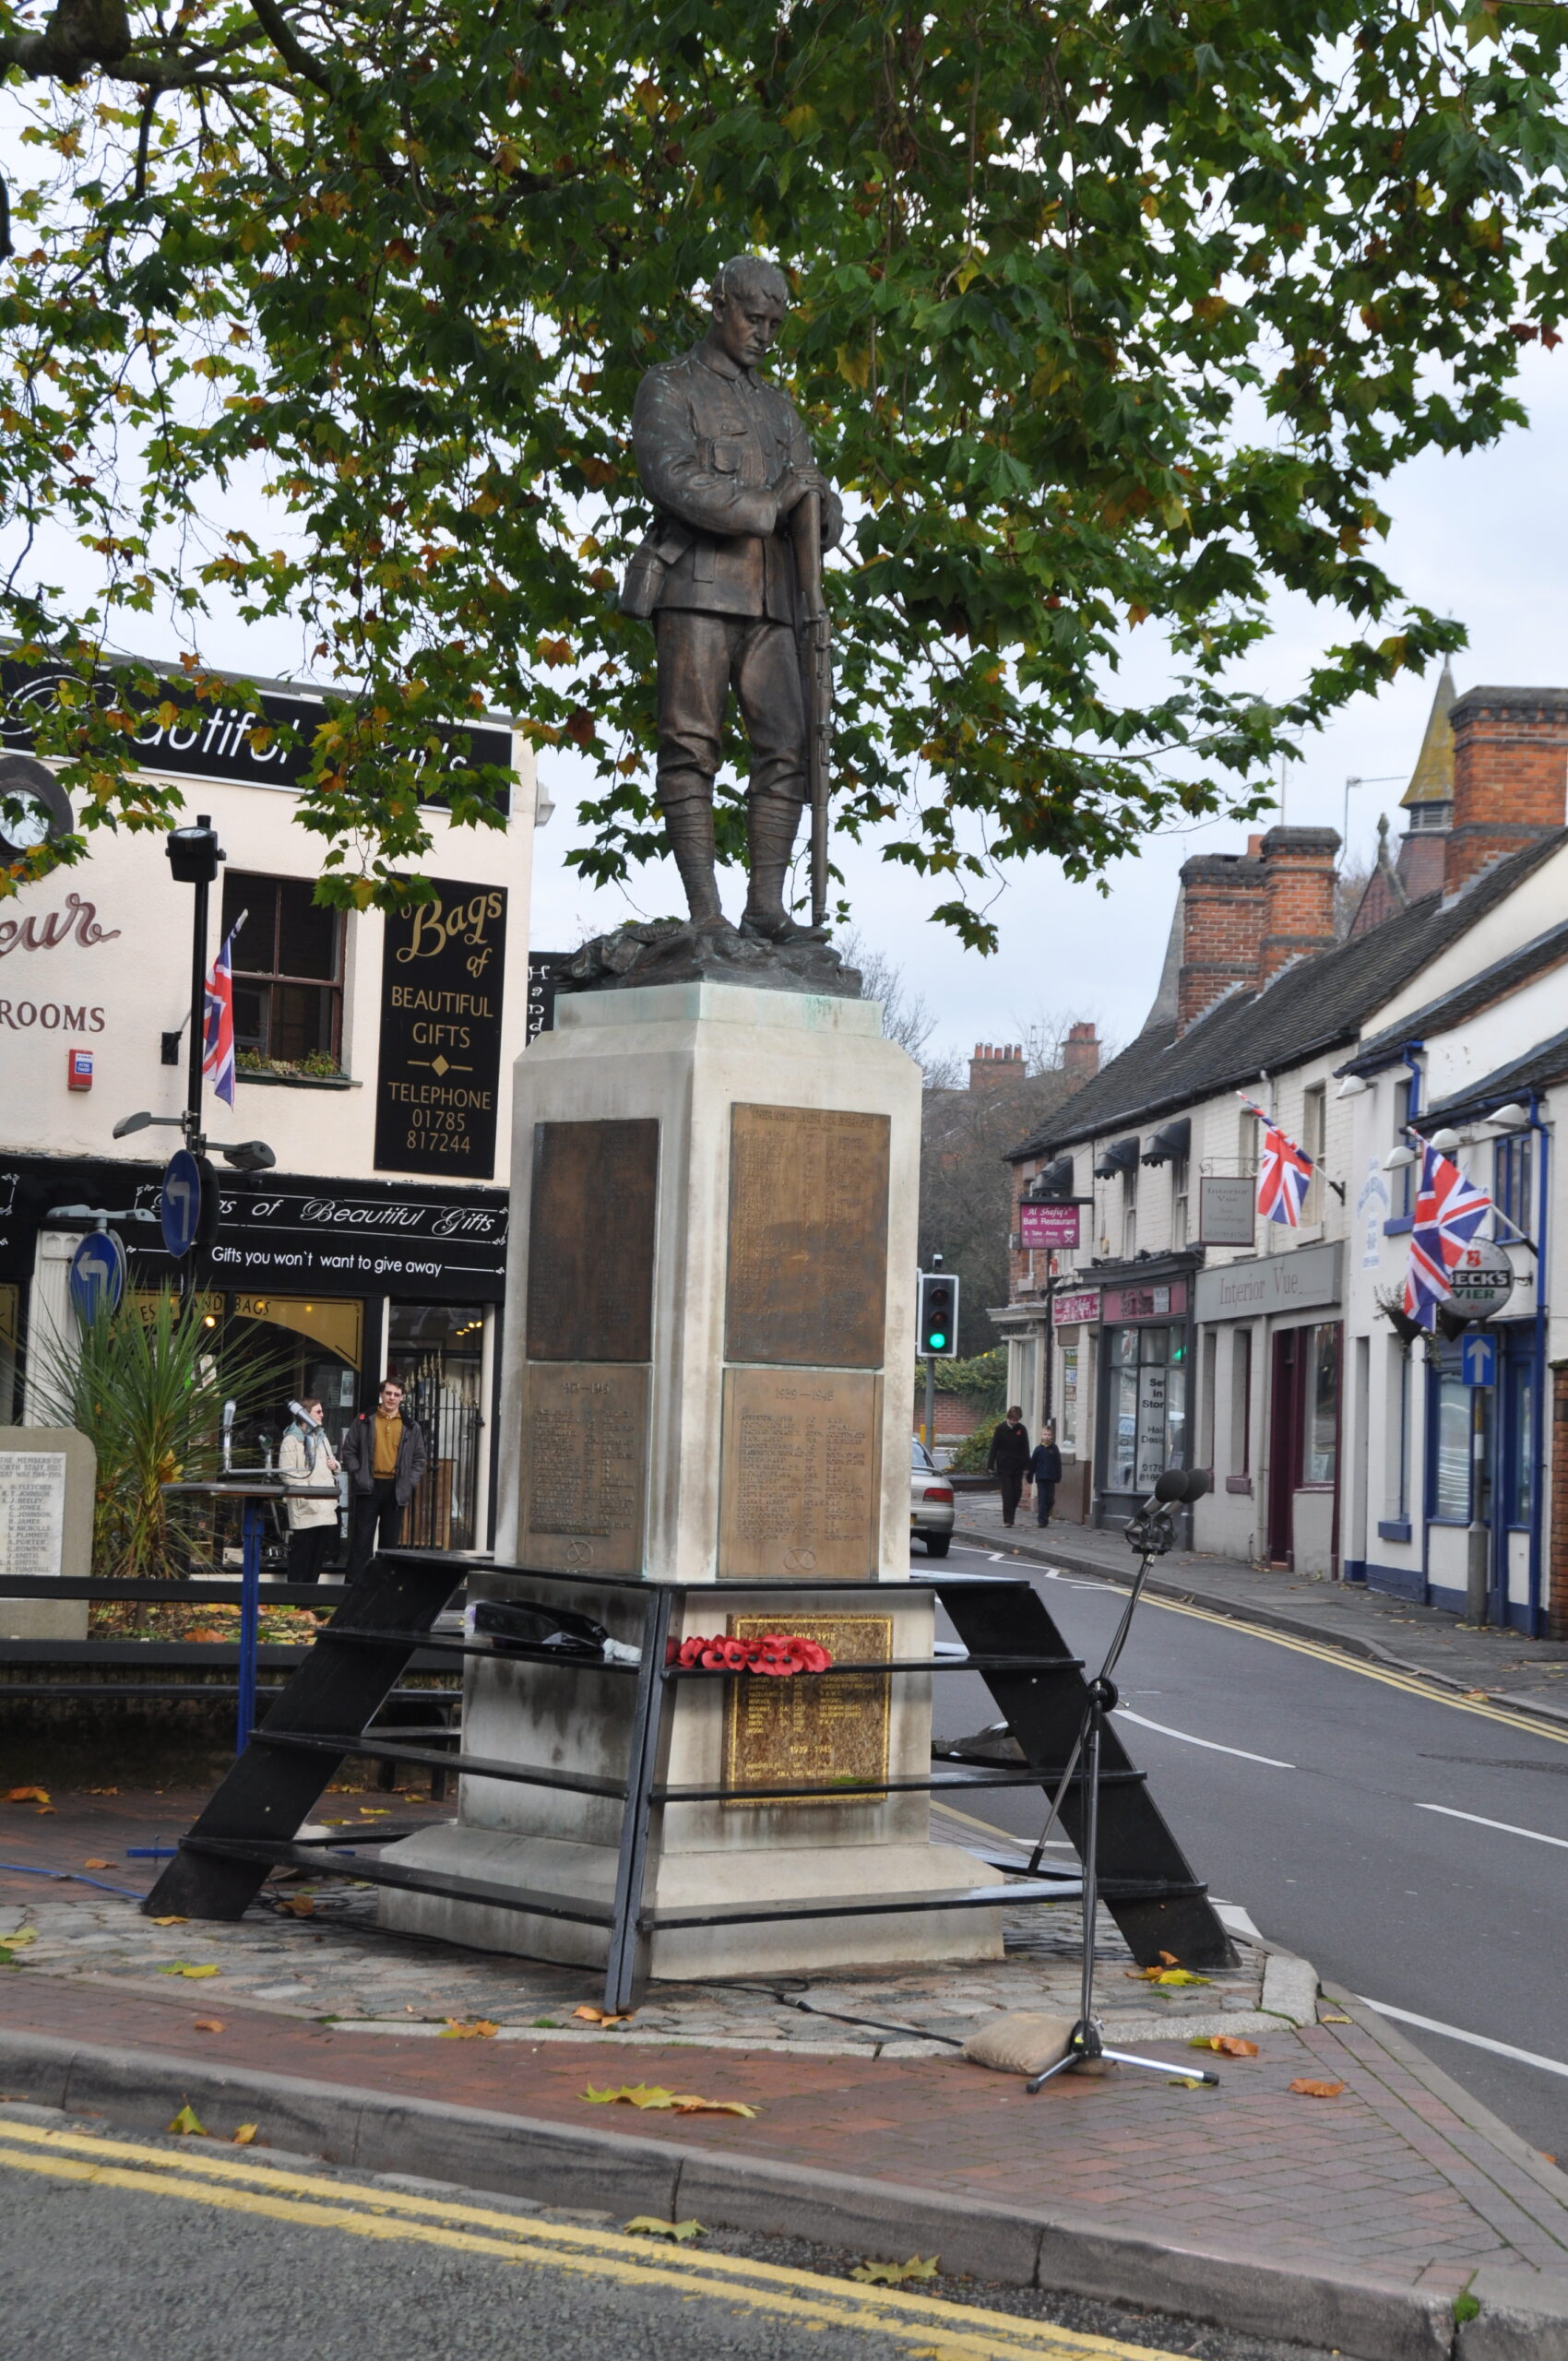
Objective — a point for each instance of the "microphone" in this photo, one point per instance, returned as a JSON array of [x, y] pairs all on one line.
[[1182, 1484]]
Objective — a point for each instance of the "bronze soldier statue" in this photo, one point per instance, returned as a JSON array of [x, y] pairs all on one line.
[[726, 463]]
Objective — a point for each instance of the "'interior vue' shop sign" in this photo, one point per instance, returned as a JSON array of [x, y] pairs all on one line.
[[441, 995]]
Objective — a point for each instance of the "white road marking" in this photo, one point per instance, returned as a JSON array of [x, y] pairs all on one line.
[[1475, 2040], [1505, 1825], [1210, 1745]]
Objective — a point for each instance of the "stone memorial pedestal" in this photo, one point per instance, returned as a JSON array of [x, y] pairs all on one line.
[[48, 1476], [710, 1355]]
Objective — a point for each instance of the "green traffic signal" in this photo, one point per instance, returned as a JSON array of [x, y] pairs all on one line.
[[937, 1340]]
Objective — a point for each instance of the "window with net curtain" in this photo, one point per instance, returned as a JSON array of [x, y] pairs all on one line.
[[287, 962]]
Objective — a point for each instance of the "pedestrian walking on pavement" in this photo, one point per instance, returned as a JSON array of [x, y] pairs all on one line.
[[1045, 1473], [306, 1458], [1009, 1460], [385, 1458]]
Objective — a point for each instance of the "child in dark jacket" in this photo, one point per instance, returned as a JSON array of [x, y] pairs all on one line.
[[1045, 1473]]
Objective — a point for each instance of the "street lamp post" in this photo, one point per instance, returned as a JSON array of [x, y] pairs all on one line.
[[194, 855]]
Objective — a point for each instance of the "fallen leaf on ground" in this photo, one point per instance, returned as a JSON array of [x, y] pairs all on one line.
[[244, 2134], [1163, 1975], [888, 2274], [649, 2225], [188, 2122], [1169, 1959], [602, 2016], [1477, 1693], [104, 1791], [23, 1935], [1229, 2045], [94, 1863], [1327, 2020], [171, 1922], [456, 2030], [184, 1967], [27, 1794], [208, 2024], [652, 2094], [44, 1811], [1310, 2090], [1185, 2083], [298, 1906]]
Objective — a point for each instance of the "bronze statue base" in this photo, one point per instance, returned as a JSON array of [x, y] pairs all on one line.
[[671, 951]]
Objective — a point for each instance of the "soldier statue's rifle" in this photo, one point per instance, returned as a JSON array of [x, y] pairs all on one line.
[[817, 686]]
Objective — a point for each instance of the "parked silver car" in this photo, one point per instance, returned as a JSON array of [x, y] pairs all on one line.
[[931, 1501]]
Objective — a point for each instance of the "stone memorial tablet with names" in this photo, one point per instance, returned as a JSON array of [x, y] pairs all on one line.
[[798, 1475], [32, 1513], [584, 1454], [807, 1727], [807, 1278]]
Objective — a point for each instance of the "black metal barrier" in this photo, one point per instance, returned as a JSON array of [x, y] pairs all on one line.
[[1009, 1639]]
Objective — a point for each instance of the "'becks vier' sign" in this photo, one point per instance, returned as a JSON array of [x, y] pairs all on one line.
[[442, 989]]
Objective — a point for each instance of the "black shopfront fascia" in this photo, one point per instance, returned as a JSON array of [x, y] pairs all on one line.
[[280, 1233]]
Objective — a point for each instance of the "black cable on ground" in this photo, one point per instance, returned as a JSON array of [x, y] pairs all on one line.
[[810, 2008]]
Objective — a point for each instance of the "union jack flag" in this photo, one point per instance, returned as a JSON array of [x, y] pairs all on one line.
[[1285, 1173], [217, 1038], [1449, 1211]]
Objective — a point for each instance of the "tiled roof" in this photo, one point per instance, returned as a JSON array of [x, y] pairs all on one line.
[[1532, 958], [1313, 1006], [1548, 1061]]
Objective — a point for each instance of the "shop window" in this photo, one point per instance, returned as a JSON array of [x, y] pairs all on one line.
[[1511, 1161], [1148, 1406], [1449, 1483], [1397, 1488], [1067, 1424], [1242, 1402], [1519, 1440], [1321, 1444], [288, 972], [437, 1352]]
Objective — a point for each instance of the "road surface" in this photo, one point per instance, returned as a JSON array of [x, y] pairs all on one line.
[[1413, 1846]]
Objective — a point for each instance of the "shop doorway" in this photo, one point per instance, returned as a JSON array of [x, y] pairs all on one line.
[[437, 1351], [1287, 1445], [319, 1344]]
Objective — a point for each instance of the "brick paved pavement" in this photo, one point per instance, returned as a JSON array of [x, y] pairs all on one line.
[[1399, 2180]]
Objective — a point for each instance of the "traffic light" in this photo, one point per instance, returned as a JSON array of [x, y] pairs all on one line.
[[937, 1324]]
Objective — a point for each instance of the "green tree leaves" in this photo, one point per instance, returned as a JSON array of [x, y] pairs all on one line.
[[1107, 318]]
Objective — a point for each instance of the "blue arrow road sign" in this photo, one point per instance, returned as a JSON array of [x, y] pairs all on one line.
[[98, 1275], [180, 1203], [1478, 1359]]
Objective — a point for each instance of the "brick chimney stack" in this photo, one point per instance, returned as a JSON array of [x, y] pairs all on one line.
[[1080, 1052], [1297, 868], [1222, 920], [1510, 767], [991, 1068]]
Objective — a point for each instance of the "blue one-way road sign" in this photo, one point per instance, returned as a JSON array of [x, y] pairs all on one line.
[[1478, 1359]]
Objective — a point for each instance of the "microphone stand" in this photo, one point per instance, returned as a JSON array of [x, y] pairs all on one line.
[[1152, 1533]]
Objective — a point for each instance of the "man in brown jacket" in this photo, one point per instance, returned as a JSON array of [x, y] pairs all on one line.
[[385, 1456], [724, 458]]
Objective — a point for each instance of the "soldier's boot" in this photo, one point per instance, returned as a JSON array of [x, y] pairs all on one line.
[[772, 824], [688, 823]]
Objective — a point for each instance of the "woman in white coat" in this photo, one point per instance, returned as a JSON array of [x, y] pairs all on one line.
[[305, 1457]]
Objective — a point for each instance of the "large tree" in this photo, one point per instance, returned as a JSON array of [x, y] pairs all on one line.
[[1110, 313]]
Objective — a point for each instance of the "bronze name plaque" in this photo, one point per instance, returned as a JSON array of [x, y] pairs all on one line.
[[590, 1240], [584, 1457], [800, 1468], [808, 1237], [803, 1727]]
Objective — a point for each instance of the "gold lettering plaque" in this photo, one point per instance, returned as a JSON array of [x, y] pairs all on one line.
[[799, 1474], [804, 1727], [808, 1237], [585, 1449]]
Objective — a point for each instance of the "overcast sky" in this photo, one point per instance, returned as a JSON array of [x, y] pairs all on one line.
[[1480, 539]]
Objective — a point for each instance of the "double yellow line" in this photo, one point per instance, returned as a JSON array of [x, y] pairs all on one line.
[[226, 2183]]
